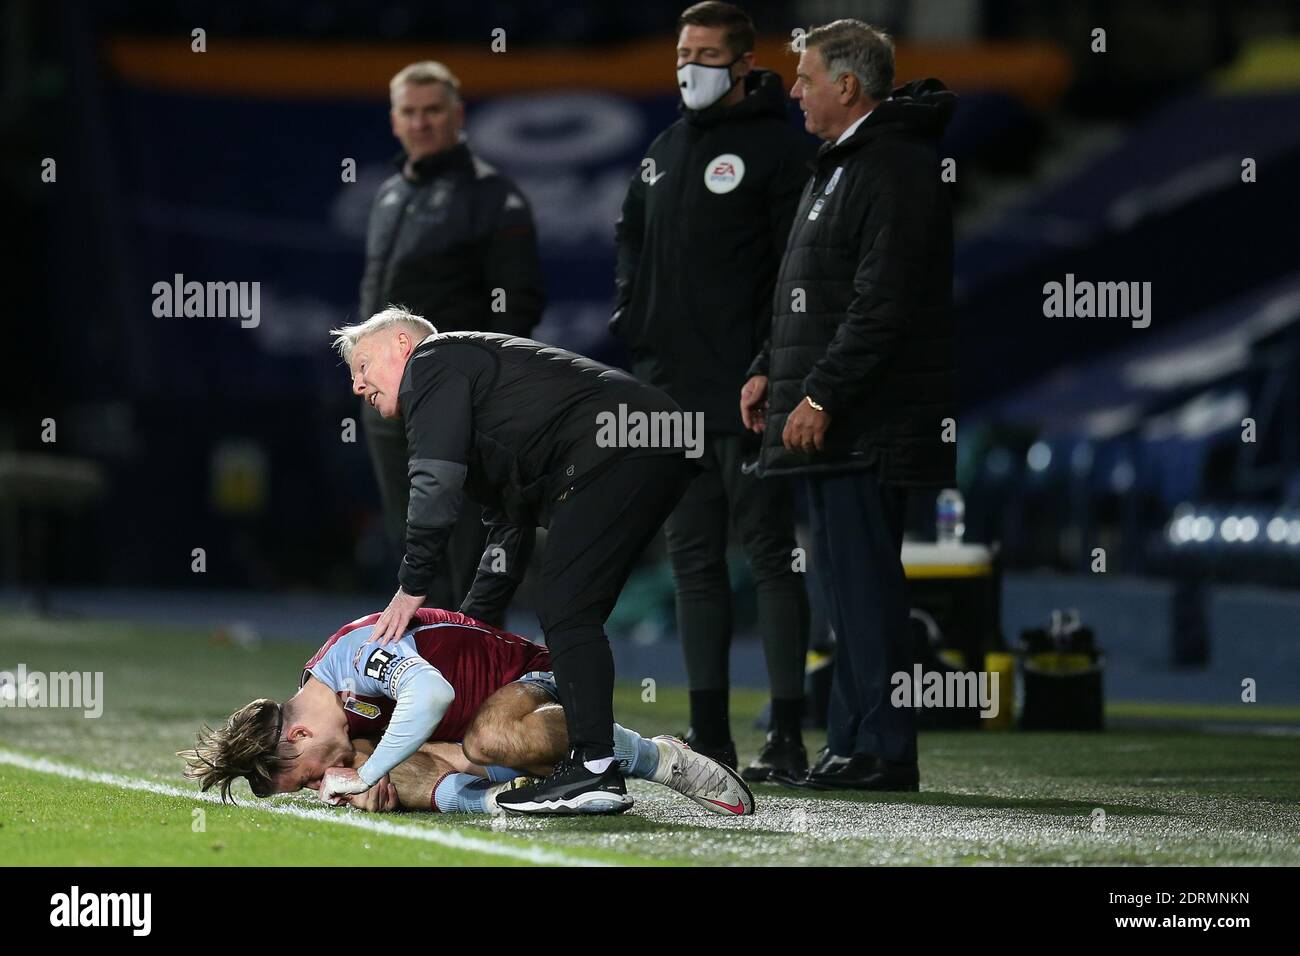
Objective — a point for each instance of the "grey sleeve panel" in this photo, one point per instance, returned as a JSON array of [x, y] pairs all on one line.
[[436, 493]]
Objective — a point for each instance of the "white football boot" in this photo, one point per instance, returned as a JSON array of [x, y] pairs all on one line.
[[714, 786]]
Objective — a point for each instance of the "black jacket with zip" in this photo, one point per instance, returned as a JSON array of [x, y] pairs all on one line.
[[441, 244], [703, 225], [862, 315], [514, 424]]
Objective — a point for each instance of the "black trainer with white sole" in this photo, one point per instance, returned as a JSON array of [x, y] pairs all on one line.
[[570, 790]]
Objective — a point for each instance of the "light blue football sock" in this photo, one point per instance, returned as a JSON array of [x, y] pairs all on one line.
[[462, 793], [636, 756]]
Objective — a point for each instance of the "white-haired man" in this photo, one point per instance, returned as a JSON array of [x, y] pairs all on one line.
[[450, 237], [855, 385], [525, 431]]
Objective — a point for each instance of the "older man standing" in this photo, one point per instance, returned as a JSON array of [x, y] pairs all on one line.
[[452, 239], [525, 431], [853, 388]]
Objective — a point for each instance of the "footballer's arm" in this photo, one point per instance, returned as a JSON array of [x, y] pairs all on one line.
[[423, 696]]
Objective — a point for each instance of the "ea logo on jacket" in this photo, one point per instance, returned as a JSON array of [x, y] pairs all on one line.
[[723, 173]]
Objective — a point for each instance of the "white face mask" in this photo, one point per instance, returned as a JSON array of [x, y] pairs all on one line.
[[702, 85]]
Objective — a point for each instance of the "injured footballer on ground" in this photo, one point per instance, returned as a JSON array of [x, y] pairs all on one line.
[[446, 719]]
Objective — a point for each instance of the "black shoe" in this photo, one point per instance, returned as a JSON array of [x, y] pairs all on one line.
[[571, 789], [724, 753], [864, 772], [826, 762], [783, 753]]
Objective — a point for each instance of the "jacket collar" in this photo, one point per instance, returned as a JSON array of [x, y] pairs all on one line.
[[450, 160], [920, 109], [764, 96], [860, 136]]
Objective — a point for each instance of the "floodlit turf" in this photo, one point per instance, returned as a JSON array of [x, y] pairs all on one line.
[[46, 819], [1170, 796]]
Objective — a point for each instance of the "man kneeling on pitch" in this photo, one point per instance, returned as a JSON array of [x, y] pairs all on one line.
[[461, 710]]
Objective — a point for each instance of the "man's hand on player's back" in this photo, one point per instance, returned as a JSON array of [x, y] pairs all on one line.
[[392, 623]]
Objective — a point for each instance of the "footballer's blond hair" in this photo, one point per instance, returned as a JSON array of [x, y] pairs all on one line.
[[248, 746]]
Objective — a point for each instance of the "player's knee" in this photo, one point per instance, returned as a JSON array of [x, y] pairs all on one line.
[[482, 746]]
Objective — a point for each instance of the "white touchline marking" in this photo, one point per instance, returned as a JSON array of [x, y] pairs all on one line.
[[455, 840]]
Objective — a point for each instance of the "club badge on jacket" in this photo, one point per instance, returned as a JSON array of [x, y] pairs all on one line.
[[816, 210]]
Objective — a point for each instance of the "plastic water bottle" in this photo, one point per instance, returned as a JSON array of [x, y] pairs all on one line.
[[950, 517]]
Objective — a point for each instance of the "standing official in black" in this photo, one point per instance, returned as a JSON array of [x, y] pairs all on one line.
[[452, 239], [699, 241], [855, 390]]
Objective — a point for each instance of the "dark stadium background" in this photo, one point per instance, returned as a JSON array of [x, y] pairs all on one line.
[[1074, 434]]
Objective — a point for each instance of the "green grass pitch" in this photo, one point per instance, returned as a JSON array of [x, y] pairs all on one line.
[[107, 791]]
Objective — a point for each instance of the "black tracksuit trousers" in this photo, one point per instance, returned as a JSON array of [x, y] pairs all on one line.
[[596, 535]]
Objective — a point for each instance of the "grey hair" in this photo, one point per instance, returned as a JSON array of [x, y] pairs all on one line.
[[851, 46], [346, 338], [426, 71]]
